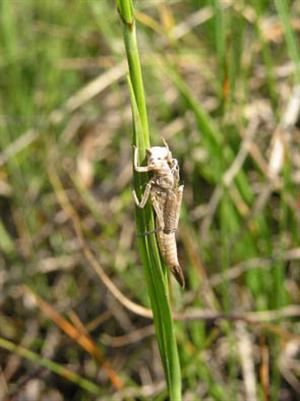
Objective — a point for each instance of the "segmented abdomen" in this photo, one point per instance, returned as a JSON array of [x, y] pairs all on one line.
[[167, 244], [170, 212], [168, 248]]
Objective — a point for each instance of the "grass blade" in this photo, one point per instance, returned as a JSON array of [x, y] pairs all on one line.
[[49, 364], [155, 271], [291, 41]]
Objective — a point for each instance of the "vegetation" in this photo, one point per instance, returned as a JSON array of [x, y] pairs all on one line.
[[79, 284]]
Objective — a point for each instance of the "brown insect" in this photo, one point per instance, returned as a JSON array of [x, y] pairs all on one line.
[[166, 197]]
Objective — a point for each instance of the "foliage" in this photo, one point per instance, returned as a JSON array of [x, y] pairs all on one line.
[[75, 316]]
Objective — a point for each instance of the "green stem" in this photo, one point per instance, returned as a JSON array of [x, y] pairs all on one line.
[[291, 41], [155, 271], [52, 366], [125, 8]]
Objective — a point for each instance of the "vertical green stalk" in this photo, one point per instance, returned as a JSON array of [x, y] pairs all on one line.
[[155, 271], [282, 7], [266, 55]]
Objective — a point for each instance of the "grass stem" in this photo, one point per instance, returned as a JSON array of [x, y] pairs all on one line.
[[155, 271]]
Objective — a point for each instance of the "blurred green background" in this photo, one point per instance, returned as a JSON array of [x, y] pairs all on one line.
[[221, 80]]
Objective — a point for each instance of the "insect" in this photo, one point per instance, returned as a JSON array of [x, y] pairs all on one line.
[[166, 196]]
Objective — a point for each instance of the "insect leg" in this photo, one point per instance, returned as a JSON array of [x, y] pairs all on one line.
[[144, 234], [165, 143], [139, 169], [145, 196]]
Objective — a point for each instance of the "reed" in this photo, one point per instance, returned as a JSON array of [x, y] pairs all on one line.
[[155, 271]]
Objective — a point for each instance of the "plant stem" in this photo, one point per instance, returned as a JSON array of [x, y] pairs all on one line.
[[291, 41], [52, 366], [125, 8], [155, 271]]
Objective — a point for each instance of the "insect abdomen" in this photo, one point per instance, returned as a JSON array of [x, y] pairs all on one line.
[[167, 243], [170, 209]]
